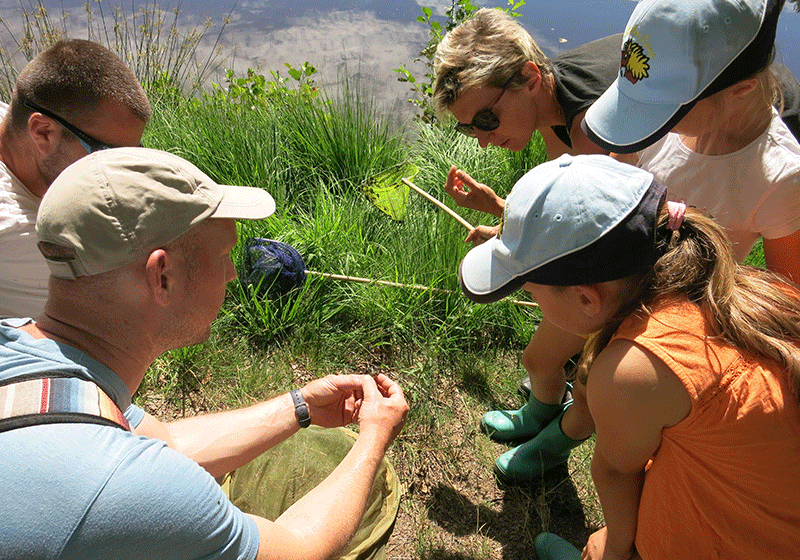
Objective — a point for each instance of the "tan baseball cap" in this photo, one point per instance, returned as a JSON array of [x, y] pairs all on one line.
[[114, 206]]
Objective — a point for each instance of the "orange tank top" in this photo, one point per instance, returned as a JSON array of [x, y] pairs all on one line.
[[725, 482]]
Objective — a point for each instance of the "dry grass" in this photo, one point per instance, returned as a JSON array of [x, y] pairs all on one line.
[[454, 507]]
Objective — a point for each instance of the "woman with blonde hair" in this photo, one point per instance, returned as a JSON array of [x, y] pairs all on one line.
[[492, 76], [491, 62]]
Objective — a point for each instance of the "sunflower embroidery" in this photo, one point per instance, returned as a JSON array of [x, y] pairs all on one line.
[[635, 65]]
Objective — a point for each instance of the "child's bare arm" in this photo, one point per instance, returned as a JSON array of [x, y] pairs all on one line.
[[783, 256], [632, 395]]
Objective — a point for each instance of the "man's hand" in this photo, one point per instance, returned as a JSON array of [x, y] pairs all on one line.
[[468, 193], [333, 400], [383, 407], [339, 400], [323, 520]]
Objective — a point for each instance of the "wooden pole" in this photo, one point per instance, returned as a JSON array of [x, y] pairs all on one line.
[[439, 203], [398, 285]]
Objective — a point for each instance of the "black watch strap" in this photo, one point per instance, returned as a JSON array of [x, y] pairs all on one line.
[[300, 408]]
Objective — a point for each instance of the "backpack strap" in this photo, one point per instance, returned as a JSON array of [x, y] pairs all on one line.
[[34, 400]]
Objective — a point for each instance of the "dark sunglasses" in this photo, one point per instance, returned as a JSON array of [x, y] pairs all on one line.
[[89, 143], [485, 119]]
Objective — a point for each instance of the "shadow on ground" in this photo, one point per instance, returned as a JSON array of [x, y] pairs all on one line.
[[550, 504]]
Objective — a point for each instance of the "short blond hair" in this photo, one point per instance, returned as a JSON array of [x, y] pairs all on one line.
[[486, 50]]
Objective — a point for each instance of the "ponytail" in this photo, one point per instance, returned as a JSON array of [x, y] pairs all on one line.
[[752, 309]]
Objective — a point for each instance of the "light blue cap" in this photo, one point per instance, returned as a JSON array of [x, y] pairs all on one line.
[[572, 221], [673, 54]]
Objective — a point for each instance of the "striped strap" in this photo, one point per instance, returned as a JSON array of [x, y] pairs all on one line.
[[48, 400]]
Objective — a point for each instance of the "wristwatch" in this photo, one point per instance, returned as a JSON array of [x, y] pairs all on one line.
[[300, 408]]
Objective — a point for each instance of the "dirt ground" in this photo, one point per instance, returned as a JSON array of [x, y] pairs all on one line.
[[454, 508]]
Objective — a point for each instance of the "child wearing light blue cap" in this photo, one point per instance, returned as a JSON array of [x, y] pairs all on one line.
[[693, 104], [692, 365]]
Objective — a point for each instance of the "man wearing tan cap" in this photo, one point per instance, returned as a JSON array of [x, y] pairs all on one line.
[[138, 244]]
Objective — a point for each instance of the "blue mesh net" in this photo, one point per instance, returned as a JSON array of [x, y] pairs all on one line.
[[271, 267]]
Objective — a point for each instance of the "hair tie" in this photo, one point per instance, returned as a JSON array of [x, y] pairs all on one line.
[[676, 212]]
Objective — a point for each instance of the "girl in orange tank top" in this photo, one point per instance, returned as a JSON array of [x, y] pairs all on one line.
[[692, 363]]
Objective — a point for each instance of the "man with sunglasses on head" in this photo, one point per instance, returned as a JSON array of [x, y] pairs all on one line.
[[75, 98]]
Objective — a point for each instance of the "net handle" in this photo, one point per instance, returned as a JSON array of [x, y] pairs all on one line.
[[438, 203], [398, 285]]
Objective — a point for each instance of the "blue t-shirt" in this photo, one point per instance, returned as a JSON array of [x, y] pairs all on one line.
[[86, 491]]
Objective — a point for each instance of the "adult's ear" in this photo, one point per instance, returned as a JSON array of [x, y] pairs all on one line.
[[45, 133], [532, 74], [160, 276]]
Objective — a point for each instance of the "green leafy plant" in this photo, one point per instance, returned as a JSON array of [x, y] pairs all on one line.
[[422, 88], [256, 90]]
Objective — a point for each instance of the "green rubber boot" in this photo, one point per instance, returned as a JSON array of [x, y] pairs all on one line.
[[522, 424], [552, 547], [527, 462]]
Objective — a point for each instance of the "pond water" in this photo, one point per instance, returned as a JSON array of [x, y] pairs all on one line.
[[578, 22], [370, 38]]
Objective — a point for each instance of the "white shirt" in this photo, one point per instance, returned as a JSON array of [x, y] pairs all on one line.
[[753, 192], [23, 271]]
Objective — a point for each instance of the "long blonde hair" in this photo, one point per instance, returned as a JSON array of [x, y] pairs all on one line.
[[753, 309]]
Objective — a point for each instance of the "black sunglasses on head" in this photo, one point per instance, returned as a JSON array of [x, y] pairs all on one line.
[[89, 143], [485, 119]]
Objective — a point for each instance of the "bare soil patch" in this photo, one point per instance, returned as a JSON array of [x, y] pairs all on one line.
[[453, 506]]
